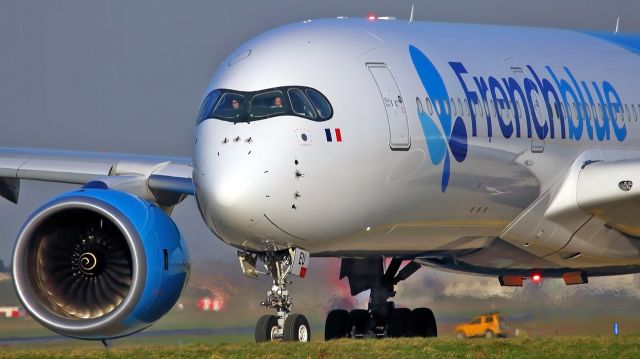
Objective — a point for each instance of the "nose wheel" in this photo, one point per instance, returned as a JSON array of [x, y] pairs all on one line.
[[284, 326], [296, 328]]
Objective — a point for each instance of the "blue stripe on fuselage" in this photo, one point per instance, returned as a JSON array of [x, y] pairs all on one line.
[[627, 41]]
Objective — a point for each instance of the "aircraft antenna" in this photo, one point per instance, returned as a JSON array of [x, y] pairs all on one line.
[[617, 25], [411, 16]]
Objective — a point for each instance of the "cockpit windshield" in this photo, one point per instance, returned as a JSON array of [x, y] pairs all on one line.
[[229, 106], [266, 104], [236, 106]]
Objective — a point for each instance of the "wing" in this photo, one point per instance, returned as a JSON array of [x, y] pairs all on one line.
[[611, 192], [589, 218], [165, 180]]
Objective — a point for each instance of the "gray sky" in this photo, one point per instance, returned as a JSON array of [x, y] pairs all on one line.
[[128, 76]]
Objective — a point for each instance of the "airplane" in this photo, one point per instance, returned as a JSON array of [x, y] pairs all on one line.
[[394, 145]]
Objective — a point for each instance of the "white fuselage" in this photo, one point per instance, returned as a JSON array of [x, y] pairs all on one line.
[[382, 190]]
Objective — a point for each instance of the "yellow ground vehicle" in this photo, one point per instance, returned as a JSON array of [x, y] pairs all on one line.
[[486, 325]]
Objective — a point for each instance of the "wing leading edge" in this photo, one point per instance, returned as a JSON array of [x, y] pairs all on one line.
[[151, 177]]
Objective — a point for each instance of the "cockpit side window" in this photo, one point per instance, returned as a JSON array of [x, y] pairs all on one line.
[[267, 104], [300, 104], [207, 105], [320, 102], [230, 106]]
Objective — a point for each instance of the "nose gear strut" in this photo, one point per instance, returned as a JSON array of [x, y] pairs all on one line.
[[279, 265]]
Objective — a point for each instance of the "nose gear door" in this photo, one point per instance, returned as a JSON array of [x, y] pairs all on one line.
[[399, 138]]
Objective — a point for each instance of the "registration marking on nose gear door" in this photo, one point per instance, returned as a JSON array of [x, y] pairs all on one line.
[[300, 262]]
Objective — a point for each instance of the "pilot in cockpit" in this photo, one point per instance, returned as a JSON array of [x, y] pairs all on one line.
[[277, 102], [235, 104]]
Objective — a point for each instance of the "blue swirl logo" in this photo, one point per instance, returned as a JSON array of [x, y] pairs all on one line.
[[445, 140]]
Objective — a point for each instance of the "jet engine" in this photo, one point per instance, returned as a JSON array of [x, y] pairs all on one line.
[[99, 264]]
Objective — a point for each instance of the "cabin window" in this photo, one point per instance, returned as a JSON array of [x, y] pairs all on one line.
[[419, 105], [600, 112], [626, 109], [617, 112], [466, 105], [429, 107]]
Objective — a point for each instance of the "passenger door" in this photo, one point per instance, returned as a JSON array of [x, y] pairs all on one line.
[[399, 138]]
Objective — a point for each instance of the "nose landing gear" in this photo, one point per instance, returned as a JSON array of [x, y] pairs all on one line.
[[284, 325]]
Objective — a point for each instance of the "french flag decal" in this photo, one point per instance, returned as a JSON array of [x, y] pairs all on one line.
[[330, 134]]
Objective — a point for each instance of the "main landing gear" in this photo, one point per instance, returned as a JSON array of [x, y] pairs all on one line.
[[382, 318], [284, 325]]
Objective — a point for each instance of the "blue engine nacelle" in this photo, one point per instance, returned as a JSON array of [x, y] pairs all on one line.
[[99, 264]]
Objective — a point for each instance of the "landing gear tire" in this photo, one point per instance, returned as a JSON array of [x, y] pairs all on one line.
[[296, 328], [338, 325], [266, 328], [279, 265], [360, 318], [382, 318], [398, 323], [424, 323]]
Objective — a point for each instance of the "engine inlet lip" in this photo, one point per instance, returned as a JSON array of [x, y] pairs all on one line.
[[99, 327]]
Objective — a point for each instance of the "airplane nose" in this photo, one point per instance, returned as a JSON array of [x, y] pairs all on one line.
[[229, 190], [234, 193], [231, 180], [247, 182]]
